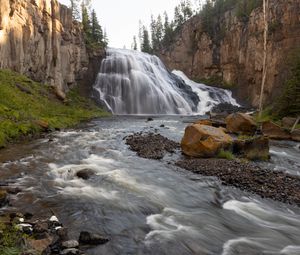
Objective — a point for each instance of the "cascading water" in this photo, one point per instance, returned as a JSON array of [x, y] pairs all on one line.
[[131, 82]]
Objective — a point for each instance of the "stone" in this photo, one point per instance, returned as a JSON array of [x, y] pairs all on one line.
[[92, 239], [296, 135], [62, 233], [288, 122], [253, 148], [40, 245], [204, 141], [241, 123], [3, 198], [71, 251], [70, 244], [149, 119], [85, 174], [13, 190], [274, 131], [204, 122]]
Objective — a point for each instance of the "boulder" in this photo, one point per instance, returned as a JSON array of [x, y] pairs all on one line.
[[241, 123], [288, 122], [3, 198], [85, 174], [296, 135], [204, 141], [204, 122], [274, 131], [92, 239], [254, 148], [70, 244], [71, 251]]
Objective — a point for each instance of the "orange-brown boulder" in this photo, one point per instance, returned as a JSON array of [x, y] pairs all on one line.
[[204, 141], [274, 131], [241, 123], [204, 122]]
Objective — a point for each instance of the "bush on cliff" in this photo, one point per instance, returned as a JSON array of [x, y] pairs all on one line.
[[28, 107]]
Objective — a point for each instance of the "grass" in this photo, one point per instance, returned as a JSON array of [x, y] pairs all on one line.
[[226, 155], [9, 240], [25, 104]]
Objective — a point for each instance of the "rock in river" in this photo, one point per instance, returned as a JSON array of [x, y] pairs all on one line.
[[92, 239], [241, 123], [204, 141]]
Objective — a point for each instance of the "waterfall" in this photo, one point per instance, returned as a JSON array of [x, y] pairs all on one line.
[[131, 82]]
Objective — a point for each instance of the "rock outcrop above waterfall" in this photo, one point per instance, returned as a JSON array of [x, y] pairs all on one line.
[[40, 39], [234, 54]]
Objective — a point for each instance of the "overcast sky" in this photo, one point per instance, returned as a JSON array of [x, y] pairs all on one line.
[[121, 18]]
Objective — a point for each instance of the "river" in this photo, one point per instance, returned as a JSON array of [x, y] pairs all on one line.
[[147, 206]]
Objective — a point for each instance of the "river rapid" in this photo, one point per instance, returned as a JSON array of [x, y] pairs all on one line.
[[147, 206]]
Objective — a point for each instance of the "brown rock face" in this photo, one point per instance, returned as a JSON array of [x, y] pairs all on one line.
[[274, 131], [39, 39], [204, 141], [296, 135], [240, 123], [236, 55]]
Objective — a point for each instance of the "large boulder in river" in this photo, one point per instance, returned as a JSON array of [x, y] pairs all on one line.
[[253, 148], [204, 141], [274, 131], [241, 123]]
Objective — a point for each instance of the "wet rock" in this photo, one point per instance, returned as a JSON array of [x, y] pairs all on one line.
[[274, 131], [70, 244], [3, 198], [227, 108], [85, 174], [92, 239], [149, 119], [204, 141], [25, 228], [241, 123], [162, 126], [249, 177], [40, 230], [150, 145], [252, 148], [62, 233], [71, 251], [13, 190]]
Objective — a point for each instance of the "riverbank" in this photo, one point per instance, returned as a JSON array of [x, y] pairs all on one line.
[[28, 108], [237, 173]]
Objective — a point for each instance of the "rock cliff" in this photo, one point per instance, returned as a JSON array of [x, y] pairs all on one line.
[[235, 54], [38, 38]]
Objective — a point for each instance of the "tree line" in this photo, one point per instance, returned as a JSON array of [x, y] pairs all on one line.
[[162, 30], [94, 35]]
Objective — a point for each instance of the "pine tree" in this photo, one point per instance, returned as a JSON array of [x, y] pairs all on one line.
[[86, 23], [74, 6], [168, 31], [134, 44], [145, 46], [96, 29]]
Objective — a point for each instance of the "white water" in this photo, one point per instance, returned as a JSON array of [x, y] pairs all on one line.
[[131, 82]]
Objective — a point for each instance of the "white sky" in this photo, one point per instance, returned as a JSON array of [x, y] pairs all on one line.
[[121, 18]]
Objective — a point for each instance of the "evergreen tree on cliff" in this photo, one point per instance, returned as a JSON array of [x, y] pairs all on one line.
[[145, 46], [134, 44], [74, 5], [96, 29], [86, 23]]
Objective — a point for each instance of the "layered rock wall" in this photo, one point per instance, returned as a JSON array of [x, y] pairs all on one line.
[[237, 55], [38, 38]]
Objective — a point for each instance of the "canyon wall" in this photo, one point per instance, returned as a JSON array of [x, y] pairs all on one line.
[[38, 38], [236, 55]]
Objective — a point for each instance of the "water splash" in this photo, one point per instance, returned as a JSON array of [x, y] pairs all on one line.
[[131, 82]]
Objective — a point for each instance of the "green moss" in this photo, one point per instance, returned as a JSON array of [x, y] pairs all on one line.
[[9, 240], [225, 155], [24, 103]]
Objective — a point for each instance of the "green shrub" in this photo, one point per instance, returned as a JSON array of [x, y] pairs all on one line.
[[225, 155]]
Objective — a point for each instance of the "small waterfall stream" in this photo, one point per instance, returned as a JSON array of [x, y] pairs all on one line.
[[131, 82]]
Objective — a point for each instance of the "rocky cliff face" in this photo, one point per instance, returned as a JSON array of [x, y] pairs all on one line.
[[237, 55], [39, 39]]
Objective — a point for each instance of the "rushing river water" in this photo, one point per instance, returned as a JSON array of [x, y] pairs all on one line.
[[146, 206]]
